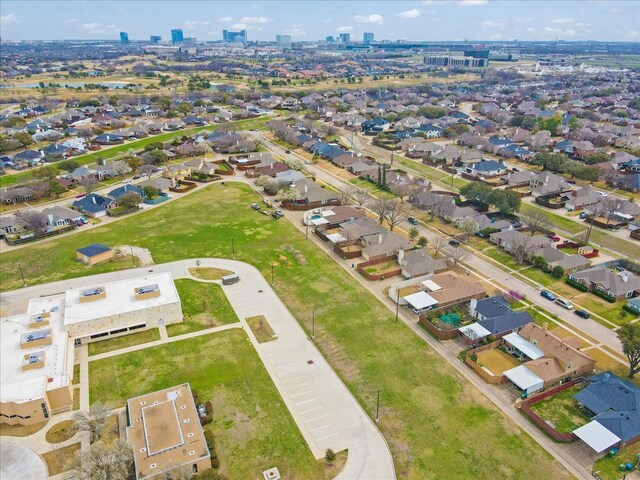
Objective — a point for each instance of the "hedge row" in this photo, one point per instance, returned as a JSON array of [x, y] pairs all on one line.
[[604, 296], [576, 285]]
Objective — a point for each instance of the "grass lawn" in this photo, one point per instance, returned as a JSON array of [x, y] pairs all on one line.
[[611, 311], [248, 413], [543, 278], [608, 468], [56, 459], [369, 351], [371, 188], [561, 410], [117, 343], [20, 430], [204, 305], [76, 398], [261, 329], [209, 273], [382, 267], [502, 258], [61, 432], [76, 374]]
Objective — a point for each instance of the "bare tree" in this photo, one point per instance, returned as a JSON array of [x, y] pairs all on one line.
[[394, 215], [88, 183], [521, 248], [468, 226], [379, 207], [608, 206], [456, 255], [177, 472], [102, 461], [147, 169], [93, 421], [536, 220], [33, 221], [436, 203], [345, 193], [361, 197], [439, 244]]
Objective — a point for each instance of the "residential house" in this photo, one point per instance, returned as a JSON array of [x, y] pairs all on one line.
[[486, 168], [613, 404], [583, 148], [125, 189], [581, 198], [615, 284], [108, 139], [519, 178], [516, 151], [385, 244], [495, 317], [450, 155], [485, 222], [557, 258], [16, 195], [415, 263], [313, 195], [509, 240], [94, 205], [10, 225], [547, 183], [94, 253], [60, 216], [375, 125], [449, 288]]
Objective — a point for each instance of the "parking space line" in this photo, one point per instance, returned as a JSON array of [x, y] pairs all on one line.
[[310, 410], [300, 394], [292, 379], [318, 428], [328, 436], [306, 401], [317, 418]]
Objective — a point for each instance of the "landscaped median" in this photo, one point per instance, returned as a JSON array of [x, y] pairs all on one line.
[[437, 425]]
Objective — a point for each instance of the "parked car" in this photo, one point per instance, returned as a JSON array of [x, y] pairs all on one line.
[[554, 238], [79, 223], [279, 212], [412, 220], [266, 201], [582, 314], [287, 151], [81, 195], [454, 242], [548, 295], [255, 206], [564, 303], [582, 216], [276, 215], [514, 169], [126, 180], [136, 177]]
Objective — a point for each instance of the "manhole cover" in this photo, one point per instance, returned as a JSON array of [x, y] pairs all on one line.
[[310, 362]]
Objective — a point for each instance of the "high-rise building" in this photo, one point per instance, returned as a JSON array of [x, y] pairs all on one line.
[[329, 39], [367, 38], [124, 37], [229, 36], [345, 38], [177, 36], [283, 41], [155, 38]]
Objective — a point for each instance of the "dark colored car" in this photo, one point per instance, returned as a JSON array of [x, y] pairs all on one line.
[[276, 215], [582, 216], [548, 295], [287, 151], [412, 220], [255, 206], [582, 314], [455, 243]]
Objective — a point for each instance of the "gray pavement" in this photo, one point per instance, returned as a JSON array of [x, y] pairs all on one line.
[[18, 462]]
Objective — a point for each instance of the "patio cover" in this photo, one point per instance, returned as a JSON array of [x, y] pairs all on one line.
[[525, 379], [596, 436], [474, 331], [525, 346], [336, 238], [431, 285], [420, 300], [318, 221]]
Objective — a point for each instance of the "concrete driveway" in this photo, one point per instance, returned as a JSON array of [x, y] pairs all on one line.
[[20, 463]]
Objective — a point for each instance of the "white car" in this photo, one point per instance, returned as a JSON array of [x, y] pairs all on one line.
[[126, 180]]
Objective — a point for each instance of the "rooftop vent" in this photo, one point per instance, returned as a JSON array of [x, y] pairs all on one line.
[[147, 291], [92, 294]]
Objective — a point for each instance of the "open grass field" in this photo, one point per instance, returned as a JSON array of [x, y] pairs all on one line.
[[425, 403], [502, 258], [561, 410], [252, 427], [204, 305], [124, 341], [61, 432]]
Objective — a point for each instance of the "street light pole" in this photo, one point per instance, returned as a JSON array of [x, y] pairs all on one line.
[[22, 274], [378, 407]]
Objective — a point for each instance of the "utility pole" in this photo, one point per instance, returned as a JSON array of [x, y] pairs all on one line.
[[392, 152], [22, 274], [378, 407]]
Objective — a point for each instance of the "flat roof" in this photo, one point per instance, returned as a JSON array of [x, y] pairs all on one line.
[[431, 285], [119, 298], [596, 436], [421, 300], [164, 428], [524, 345], [524, 378], [17, 385]]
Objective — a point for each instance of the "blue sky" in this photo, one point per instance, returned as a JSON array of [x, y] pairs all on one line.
[[311, 20]]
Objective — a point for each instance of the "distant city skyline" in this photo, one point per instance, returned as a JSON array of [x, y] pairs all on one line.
[[430, 20]]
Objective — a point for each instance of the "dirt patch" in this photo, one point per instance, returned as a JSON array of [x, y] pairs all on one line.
[[300, 258], [143, 254], [261, 329], [207, 273], [61, 432]]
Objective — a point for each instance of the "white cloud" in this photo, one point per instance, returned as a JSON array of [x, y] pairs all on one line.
[[71, 20], [582, 25], [375, 18], [569, 33], [524, 19], [9, 19], [472, 3], [193, 24], [634, 34], [255, 19], [225, 19], [562, 20], [295, 32], [413, 13], [344, 29], [239, 26], [497, 24], [95, 28], [496, 36]]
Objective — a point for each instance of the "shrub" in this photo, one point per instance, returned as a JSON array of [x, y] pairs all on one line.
[[473, 357], [557, 271], [329, 455], [605, 296], [576, 285]]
